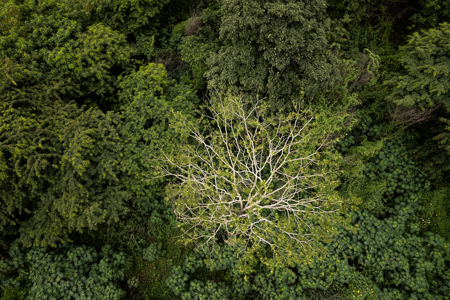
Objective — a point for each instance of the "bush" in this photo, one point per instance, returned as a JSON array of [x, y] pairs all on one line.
[[153, 252], [68, 272]]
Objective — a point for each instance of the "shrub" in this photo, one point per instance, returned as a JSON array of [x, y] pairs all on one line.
[[68, 272], [153, 252]]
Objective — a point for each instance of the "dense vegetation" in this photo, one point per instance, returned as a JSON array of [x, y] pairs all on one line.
[[224, 149]]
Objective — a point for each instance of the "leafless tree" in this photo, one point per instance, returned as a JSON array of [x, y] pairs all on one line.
[[407, 116], [194, 24]]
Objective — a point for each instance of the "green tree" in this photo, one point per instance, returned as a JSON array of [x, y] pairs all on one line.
[[151, 97], [273, 47], [49, 51], [131, 17], [70, 170], [61, 170], [89, 60], [258, 180], [426, 82], [425, 88], [29, 142]]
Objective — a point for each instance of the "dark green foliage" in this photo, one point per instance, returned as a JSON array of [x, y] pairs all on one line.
[[402, 263], [430, 13], [65, 273], [274, 47], [395, 242], [221, 259], [196, 49], [15, 286], [391, 168], [425, 58], [428, 152], [153, 252], [435, 210], [138, 234], [444, 138], [376, 24], [399, 262]]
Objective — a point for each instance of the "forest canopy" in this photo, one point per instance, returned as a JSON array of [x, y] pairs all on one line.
[[224, 149]]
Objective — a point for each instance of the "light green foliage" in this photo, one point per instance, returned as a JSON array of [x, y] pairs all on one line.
[[66, 273], [89, 174], [79, 11], [132, 17], [151, 97], [179, 28], [374, 222], [274, 47], [30, 149], [21, 53], [71, 170], [247, 180], [360, 288], [426, 83], [53, 53], [90, 58]]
